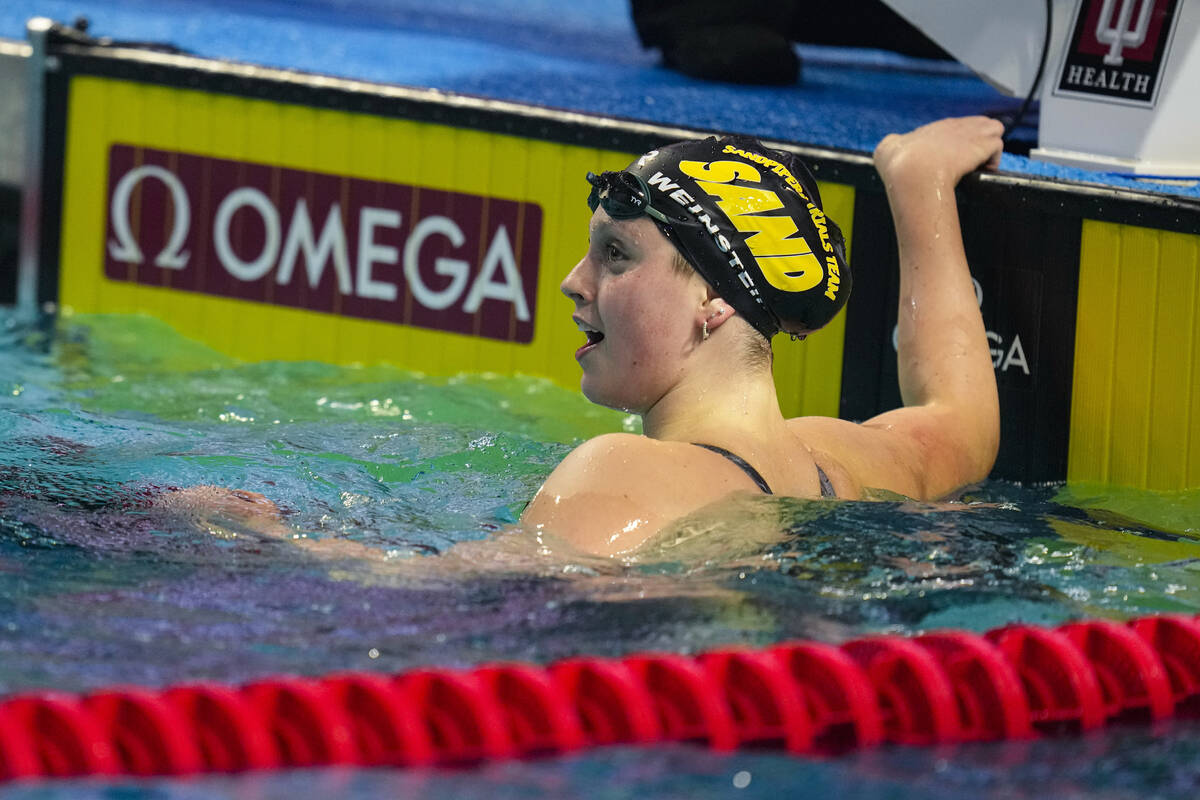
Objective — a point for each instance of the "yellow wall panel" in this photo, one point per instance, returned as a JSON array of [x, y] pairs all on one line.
[[106, 112], [808, 375], [1174, 431], [1135, 414], [1133, 356]]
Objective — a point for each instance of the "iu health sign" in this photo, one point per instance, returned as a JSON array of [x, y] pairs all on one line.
[[384, 251]]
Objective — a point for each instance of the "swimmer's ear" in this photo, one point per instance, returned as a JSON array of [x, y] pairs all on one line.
[[715, 311]]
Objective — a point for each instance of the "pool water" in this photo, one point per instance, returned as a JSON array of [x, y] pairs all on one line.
[[396, 491]]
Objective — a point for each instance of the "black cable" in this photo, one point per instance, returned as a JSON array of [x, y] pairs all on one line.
[[1037, 80]]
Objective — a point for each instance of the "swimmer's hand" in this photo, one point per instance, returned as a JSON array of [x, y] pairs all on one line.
[[219, 509], [234, 513], [939, 154], [237, 502]]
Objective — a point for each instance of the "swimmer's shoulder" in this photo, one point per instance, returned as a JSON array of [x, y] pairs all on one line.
[[613, 491], [635, 466]]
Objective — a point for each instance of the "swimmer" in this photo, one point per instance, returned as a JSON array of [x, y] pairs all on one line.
[[699, 253]]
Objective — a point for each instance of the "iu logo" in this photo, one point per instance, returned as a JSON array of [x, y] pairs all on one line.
[[1120, 35], [1117, 50]]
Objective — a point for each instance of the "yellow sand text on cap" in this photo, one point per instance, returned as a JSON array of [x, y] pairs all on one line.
[[786, 260]]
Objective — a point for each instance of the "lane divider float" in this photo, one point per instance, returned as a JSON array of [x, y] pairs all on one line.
[[1015, 682]]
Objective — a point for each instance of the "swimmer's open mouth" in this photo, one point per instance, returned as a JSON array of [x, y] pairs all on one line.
[[594, 337]]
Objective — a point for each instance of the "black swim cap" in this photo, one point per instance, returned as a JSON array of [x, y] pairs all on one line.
[[749, 219]]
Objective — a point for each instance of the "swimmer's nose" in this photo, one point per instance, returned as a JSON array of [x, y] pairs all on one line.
[[573, 285]]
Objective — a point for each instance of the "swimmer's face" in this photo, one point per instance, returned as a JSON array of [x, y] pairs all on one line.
[[639, 314]]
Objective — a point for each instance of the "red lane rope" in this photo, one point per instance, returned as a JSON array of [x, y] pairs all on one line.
[[804, 697]]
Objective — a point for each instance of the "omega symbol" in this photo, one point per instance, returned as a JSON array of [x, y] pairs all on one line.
[[1120, 36], [125, 248]]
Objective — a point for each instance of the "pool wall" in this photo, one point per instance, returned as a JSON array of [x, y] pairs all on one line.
[[204, 192], [13, 61]]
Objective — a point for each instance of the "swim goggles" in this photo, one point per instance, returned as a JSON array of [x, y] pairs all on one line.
[[622, 195]]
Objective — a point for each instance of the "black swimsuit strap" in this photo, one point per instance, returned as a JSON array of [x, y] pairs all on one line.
[[741, 463], [827, 489]]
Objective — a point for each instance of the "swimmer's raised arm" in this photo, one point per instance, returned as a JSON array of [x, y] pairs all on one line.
[[945, 365], [947, 434]]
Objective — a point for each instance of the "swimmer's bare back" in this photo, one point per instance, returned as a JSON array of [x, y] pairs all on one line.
[[614, 492]]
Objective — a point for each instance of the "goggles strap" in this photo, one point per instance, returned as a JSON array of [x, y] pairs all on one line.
[[624, 195]]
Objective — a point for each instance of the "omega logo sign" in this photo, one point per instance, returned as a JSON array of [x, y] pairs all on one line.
[[1005, 355], [125, 248], [368, 249]]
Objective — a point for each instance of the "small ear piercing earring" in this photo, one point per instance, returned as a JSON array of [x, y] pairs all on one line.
[[716, 313], [704, 335]]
